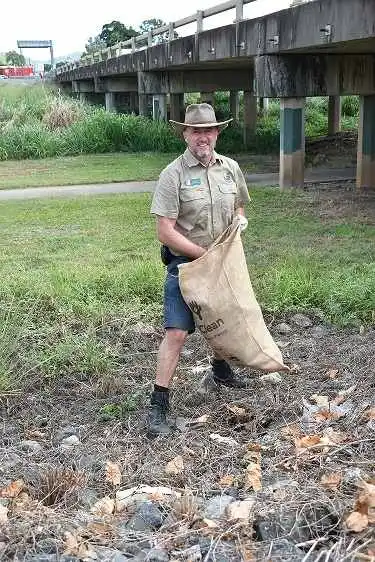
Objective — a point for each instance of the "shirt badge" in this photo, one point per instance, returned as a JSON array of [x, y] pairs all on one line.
[[194, 182]]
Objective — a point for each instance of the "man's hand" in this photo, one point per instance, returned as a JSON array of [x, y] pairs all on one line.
[[242, 221]]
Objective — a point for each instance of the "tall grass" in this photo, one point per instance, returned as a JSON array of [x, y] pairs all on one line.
[[38, 122]]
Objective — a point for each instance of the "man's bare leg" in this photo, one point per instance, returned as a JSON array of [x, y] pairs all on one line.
[[168, 356]]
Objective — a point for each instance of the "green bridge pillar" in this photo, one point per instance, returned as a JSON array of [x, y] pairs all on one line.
[[366, 144], [292, 142]]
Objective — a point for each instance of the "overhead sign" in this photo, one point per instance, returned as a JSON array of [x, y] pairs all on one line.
[[34, 44]]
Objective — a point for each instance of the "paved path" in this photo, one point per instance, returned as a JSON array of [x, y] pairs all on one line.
[[317, 175]]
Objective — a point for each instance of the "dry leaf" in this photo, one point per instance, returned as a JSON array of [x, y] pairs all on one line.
[[226, 481], [35, 434], [209, 523], [356, 522], [343, 395], [100, 529], [12, 490], [307, 441], [253, 477], [175, 466], [240, 509], [239, 413], [3, 514], [291, 430], [75, 546], [113, 473], [326, 415], [332, 373], [224, 440], [294, 369], [321, 401], [104, 506], [366, 501], [370, 414], [201, 420], [331, 480]]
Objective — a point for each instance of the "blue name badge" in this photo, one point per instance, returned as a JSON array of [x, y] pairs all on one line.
[[195, 182]]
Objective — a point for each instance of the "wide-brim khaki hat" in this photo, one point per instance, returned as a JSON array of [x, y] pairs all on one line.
[[200, 115]]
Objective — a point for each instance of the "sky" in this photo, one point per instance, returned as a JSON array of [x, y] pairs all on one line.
[[70, 23]]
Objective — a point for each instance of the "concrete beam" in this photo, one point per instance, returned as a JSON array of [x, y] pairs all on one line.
[[292, 142], [366, 144], [205, 81], [314, 75], [334, 114], [84, 86]]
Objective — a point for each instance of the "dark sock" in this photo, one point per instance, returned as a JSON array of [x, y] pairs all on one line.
[[158, 388]]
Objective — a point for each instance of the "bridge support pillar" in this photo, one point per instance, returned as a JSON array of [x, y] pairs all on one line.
[[110, 101], [208, 97], [334, 114], [263, 105], [234, 105], [292, 142], [84, 97], [143, 104], [159, 107], [133, 102], [366, 144], [176, 107], [249, 116]]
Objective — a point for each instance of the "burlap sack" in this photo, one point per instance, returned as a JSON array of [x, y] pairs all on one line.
[[218, 291]]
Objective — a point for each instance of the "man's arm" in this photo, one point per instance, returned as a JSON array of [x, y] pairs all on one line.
[[169, 236]]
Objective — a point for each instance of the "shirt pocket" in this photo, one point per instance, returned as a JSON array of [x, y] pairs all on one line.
[[191, 194], [228, 188]]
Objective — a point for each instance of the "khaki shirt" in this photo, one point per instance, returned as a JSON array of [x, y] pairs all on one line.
[[203, 200]]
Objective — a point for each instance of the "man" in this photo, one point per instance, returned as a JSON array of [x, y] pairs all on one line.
[[196, 199]]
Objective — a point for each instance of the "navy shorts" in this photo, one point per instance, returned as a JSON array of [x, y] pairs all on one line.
[[177, 314]]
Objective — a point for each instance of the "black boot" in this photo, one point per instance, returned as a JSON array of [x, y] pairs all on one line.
[[223, 374], [157, 414]]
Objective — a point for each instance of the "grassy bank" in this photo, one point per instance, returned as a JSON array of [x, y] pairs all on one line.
[[38, 122], [77, 274], [88, 168]]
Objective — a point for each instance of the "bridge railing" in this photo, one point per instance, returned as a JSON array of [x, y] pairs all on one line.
[[146, 39]]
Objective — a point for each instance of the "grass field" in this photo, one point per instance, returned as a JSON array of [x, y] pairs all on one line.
[[88, 168], [76, 273]]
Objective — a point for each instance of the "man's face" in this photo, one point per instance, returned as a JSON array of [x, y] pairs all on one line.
[[201, 141]]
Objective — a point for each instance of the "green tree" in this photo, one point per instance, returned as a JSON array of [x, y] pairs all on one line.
[[154, 23], [93, 45], [15, 59], [115, 32]]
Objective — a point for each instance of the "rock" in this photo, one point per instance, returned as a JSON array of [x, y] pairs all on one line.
[[147, 517], [133, 550], [191, 554], [283, 328], [285, 551], [319, 332], [207, 384], [302, 321], [31, 446], [87, 497], [70, 442], [66, 431], [157, 555], [109, 554], [44, 558], [273, 378], [215, 507]]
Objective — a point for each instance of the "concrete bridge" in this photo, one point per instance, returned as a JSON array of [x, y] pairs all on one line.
[[316, 48]]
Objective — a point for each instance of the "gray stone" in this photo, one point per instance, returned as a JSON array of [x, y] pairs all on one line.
[[283, 328], [70, 441], [272, 378], [285, 551], [319, 332], [215, 507], [133, 550], [109, 554], [302, 321], [66, 432], [31, 446], [43, 558], [147, 517], [87, 497], [157, 555]]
